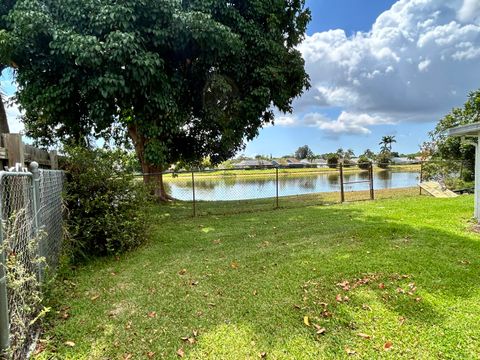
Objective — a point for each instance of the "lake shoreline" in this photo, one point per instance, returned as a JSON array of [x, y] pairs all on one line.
[[268, 173]]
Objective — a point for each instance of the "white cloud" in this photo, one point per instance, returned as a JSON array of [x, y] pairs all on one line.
[[420, 59], [346, 123], [469, 11], [285, 121]]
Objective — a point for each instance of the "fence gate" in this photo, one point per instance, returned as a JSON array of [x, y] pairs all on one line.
[[343, 182]]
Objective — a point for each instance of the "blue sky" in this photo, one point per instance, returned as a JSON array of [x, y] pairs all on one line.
[[377, 67], [374, 82]]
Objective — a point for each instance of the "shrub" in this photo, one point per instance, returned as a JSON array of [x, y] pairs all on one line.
[[332, 161], [363, 162], [384, 160], [105, 203], [348, 162]]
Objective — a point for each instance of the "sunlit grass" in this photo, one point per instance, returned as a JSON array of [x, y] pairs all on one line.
[[239, 286]]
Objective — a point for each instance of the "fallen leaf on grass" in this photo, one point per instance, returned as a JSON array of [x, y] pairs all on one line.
[[306, 321], [94, 297], [262, 355], [180, 353], [152, 314], [69, 343], [234, 265], [320, 330], [387, 346], [418, 299], [345, 285], [364, 336], [39, 349], [350, 351], [182, 272], [326, 313], [127, 356], [339, 298], [150, 354], [381, 286], [401, 320], [65, 315]]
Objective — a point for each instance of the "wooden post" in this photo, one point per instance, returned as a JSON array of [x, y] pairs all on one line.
[[342, 190], [53, 159], [15, 149], [372, 191], [421, 176]]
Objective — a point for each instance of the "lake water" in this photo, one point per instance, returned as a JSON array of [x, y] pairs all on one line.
[[220, 188]]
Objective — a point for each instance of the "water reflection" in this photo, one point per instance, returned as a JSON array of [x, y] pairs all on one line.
[[241, 188]]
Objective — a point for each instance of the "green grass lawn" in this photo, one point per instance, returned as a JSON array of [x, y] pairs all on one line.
[[394, 278]]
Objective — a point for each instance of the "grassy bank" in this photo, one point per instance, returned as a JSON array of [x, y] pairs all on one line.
[[394, 278]]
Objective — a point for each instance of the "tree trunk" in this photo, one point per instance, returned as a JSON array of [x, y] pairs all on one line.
[[152, 174], [4, 129]]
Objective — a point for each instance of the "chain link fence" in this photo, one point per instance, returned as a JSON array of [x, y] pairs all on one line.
[[31, 237], [218, 192]]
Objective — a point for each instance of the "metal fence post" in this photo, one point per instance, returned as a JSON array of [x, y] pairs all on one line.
[[4, 320], [276, 185], [342, 190], [34, 169], [193, 193]]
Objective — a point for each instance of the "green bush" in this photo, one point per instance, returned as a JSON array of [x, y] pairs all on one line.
[[332, 161], [105, 203], [363, 162], [384, 160]]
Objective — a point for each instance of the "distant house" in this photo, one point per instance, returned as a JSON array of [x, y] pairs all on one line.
[[254, 164], [320, 163], [403, 161], [294, 163]]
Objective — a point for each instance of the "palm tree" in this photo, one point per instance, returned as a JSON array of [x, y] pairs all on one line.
[[387, 142]]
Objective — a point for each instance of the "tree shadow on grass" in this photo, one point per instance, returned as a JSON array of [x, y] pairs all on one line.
[[277, 253], [417, 271]]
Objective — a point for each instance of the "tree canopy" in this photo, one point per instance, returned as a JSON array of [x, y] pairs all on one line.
[[386, 143], [186, 79], [452, 148], [304, 152]]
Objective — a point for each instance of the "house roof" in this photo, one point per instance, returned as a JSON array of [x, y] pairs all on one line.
[[465, 130], [255, 163]]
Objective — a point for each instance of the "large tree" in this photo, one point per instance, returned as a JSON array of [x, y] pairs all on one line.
[[185, 79], [447, 148], [304, 152]]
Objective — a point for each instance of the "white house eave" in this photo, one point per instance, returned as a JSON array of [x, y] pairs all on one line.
[[472, 130], [465, 130]]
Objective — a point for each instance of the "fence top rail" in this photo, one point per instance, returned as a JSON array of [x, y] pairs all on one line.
[[15, 173]]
